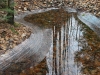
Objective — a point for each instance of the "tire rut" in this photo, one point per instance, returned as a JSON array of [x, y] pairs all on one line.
[[34, 48]]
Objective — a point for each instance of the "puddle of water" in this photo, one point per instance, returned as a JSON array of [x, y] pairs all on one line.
[[49, 19], [75, 47], [74, 44]]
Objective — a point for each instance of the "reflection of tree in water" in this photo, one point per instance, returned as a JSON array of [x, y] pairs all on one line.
[[89, 55], [54, 19]]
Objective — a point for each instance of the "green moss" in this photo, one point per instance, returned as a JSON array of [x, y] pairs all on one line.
[[13, 30], [17, 24]]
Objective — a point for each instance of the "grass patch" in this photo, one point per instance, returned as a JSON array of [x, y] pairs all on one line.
[[17, 24], [13, 30]]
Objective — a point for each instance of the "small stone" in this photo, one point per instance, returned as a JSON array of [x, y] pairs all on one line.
[[19, 9], [94, 13], [25, 8], [23, 35]]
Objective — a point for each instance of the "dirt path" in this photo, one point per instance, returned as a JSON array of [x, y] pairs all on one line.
[[36, 46]]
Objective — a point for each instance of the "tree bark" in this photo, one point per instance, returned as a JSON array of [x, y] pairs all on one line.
[[11, 18]]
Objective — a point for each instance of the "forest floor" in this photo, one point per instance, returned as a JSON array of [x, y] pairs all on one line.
[[12, 35], [91, 6]]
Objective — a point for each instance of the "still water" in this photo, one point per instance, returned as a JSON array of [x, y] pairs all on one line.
[[75, 48]]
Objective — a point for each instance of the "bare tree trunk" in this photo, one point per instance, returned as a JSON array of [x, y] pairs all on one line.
[[10, 15]]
